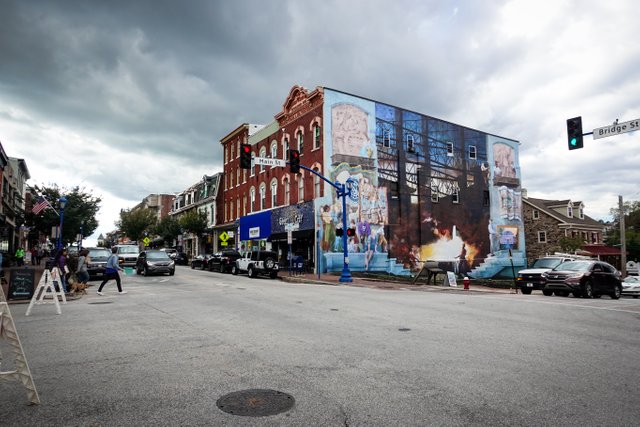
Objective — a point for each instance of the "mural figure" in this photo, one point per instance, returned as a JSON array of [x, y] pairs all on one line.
[[504, 157], [349, 131], [493, 237]]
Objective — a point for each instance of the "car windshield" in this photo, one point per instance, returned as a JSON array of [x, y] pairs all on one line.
[[546, 263], [574, 266], [128, 250], [99, 253], [157, 256], [632, 279]]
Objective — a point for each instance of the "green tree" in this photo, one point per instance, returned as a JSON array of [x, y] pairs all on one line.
[[80, 212], [570, 244], [193, 222], [134, 224], [168, 228]]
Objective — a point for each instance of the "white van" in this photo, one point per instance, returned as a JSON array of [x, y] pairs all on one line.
[[127, 255]]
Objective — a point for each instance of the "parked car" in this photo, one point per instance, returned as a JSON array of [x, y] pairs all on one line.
[[171, 252], [530, 279], [631, 286], [98, 261], [583, 278], [256, 263], [155, 262], [127, 254], [222, 261], [181, 258], [201, 261]]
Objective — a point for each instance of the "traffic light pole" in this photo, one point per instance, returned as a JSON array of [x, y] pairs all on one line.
[[343, 190]]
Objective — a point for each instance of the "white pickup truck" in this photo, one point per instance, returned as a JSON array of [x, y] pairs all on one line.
[[257, 263]]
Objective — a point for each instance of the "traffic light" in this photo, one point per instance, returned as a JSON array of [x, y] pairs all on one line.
[[574, 133], [351, 232], [294, 161], [245, 156], [339, 232]]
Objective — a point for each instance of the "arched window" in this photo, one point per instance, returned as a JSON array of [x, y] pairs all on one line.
[[316, 136], [263, 195], [274, 193], [300, 141], [287, 192], [316, 184], [300, 189], [285, 149], [274, 150], [244, 205], [253, 165], [252, 200], [263, 153]]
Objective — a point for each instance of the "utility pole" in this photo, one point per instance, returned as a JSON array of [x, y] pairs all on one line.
[[623, 240]]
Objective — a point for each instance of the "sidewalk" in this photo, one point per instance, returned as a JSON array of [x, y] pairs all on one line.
[[39, 271], [334, 280]]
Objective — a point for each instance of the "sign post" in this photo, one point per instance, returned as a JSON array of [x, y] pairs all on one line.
[[616, 129]]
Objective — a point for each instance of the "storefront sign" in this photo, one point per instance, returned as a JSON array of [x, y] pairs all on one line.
[[254, 232], [255, 226], [295, 217]]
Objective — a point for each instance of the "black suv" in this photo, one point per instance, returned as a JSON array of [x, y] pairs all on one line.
[[257, 262], [223, 261], [530, 279], [583, 278]]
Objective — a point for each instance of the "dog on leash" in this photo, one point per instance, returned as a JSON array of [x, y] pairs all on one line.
[[78, 287]]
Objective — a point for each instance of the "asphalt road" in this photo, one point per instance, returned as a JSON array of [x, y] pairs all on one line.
[[168, 350]]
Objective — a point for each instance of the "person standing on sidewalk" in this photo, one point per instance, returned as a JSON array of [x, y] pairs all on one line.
[[20, 257], [82, 273], [111, 272]]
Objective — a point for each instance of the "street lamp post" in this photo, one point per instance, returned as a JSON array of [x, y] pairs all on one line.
[[62, 202]]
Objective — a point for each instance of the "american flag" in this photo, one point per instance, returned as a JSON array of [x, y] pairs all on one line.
[[41, 204]]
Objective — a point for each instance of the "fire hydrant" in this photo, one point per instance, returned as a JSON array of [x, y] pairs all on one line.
[[465, 282]]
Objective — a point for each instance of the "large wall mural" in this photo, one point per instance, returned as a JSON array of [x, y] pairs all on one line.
[[424, 189]]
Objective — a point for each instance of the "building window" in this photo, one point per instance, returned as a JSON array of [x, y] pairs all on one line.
[[300, 189], [238, 208], [434, 194], [536, 214], [244, 176], [253, 165], [231, 180], [386, 138], [486, 199], [274, 193], [316, 136], [450, 149], [252, 200], [238, 177], [230, 210], [594, 237], [542, 237], [263, 196], [316, 185], [455, 197], [263, 153], [231, 151], [274, 150], [287, 192], [285, 150], [300, 141], [226, 154], [473, 154], [569, 211], [244, 205], [581, 212], [410, 147]]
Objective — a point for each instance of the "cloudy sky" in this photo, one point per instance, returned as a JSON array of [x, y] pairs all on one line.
[[128, 98]]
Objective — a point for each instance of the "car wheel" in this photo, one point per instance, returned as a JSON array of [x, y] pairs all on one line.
[[234, 270], [526, 291], [221, 268], [562, 293], [202, 267], [617, 292], [269, 263], [252, 272], [588, 290], [172, 272], [547, 293], [273, 274], [635, 296], [193, 266], [577, 294]]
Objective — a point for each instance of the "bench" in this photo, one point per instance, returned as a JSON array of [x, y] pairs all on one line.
[[432, 270]]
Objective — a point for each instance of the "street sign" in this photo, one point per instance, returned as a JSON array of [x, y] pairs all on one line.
[[146, 241], [291, 227], [616, 129], [266, 161]]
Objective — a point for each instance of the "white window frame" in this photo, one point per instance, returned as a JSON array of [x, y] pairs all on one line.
[[535, 214], [287, 192], [435, 198], [386, 138], [570, 211], [455, 196], [449, 149], [238, 177], [316, 136], [263, 153], [252, 199], [300, 189], [274, 193], [263, 195], [253, 165], [300, 138], [316, 185], [473, 152], [410, 143]]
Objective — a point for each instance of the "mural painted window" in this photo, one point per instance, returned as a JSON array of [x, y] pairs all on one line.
[[300, 141], [263, 153], [536, 214], [287, 192], [450, 149], [410, 143], [542, 237], [252, 200], [316, 136], [473, 154], [300, 189], [455, 196], [274, 193], [434, 193], [386, 138], [263, 195]]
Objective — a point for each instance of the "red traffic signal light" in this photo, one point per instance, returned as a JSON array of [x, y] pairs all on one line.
[[351, 232], [245, 156], [574, 133], [294, 161], [339, 232]]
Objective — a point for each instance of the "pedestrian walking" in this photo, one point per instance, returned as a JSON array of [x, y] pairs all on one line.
[[111, 272], [20, 257], [81, 272], [60, 261]]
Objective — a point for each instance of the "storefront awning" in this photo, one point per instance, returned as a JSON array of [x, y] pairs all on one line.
[[256, 226], [601, 250]]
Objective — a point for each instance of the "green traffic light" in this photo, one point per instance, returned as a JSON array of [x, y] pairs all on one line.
[[574, 142]]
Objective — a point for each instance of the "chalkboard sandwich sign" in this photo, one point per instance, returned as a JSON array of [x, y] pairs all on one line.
[[22, 284]]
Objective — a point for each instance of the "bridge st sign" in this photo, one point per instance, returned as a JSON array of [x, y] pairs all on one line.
[[616, 129]]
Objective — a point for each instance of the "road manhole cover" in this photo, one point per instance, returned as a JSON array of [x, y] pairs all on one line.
[[101, 302], [255, 403]]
